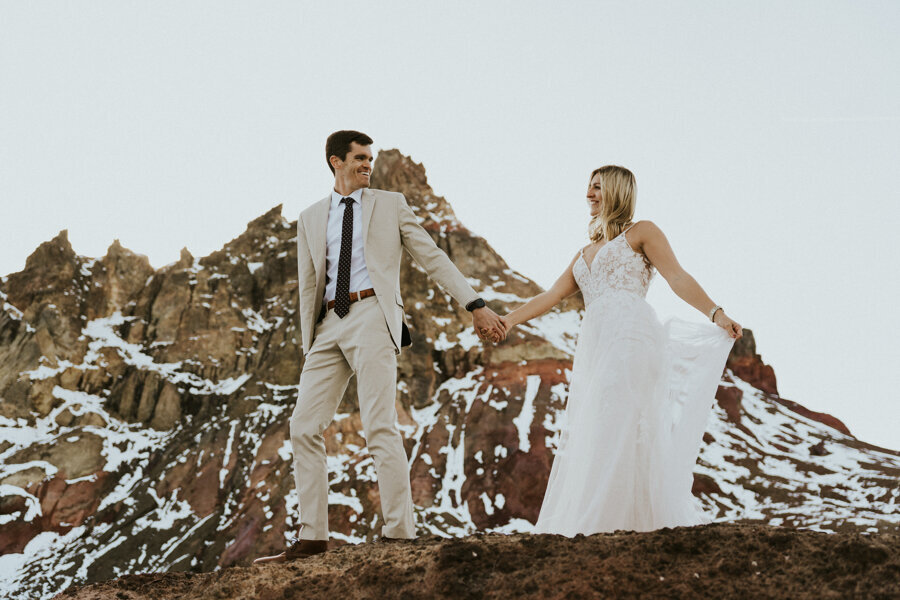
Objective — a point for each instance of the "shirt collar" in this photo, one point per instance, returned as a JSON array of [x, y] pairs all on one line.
[[336, 198]]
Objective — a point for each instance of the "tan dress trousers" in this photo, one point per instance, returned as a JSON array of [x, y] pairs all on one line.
[[359, 343]]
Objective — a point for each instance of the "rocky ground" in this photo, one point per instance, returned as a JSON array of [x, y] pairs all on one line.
[[712, 561]]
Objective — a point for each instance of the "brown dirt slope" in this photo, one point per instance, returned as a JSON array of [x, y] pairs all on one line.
[[712, 561]]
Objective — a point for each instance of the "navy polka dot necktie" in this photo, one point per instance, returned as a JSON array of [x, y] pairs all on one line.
[[342, 292]]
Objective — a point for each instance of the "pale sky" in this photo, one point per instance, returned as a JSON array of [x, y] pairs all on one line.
[[765, 137]]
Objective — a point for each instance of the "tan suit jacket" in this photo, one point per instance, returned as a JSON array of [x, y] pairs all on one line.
[[388, 224]]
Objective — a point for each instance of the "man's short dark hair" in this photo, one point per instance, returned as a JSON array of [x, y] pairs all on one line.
[[338, 144]]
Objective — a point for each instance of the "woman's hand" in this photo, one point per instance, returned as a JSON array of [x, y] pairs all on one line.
[[495, 335], [507, 323], [488, 325], [733, 328]]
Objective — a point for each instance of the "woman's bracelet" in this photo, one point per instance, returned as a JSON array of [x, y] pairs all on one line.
[[712, 313]]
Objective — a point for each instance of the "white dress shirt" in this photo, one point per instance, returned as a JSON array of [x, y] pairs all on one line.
[[359, 274]]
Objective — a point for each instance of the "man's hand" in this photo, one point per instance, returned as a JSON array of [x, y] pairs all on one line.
[[488, 326]]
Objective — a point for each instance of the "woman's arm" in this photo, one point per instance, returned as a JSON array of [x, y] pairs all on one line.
[[564, 287], [649, 239]]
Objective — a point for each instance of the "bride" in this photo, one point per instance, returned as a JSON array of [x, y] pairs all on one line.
[[640, 391]]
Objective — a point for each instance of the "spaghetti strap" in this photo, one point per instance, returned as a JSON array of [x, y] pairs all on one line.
[[627, 243]]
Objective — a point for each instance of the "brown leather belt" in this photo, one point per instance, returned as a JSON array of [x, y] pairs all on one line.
[[354, 296]]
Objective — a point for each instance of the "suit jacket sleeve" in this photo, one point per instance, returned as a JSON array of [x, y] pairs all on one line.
[[431, 258], [306, 271]]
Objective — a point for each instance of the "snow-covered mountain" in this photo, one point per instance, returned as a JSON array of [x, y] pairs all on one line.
[[144, 413]]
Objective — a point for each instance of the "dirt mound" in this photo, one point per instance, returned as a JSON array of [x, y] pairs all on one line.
[[712, 561]]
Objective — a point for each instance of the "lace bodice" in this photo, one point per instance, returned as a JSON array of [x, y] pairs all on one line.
[[615, 268]]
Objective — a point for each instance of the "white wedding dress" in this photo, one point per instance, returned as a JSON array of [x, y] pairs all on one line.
[[639, 398]]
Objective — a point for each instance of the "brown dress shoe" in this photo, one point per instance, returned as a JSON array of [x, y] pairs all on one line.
[[296, 550], [305, 549]]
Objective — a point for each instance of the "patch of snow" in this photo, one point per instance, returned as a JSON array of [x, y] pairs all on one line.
[[515, 525], [488, 505], [46, 546], [226, 458], [33, 505], [465, 339], [560, 328], [255, 321], [526, 415], [489, 294]]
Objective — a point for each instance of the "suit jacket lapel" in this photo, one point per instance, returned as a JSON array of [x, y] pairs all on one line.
[[317, 232], [368, 205]]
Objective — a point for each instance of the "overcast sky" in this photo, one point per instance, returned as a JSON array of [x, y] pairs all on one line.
[[765, 137]]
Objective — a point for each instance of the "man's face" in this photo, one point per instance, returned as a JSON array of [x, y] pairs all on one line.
[[356, 170]]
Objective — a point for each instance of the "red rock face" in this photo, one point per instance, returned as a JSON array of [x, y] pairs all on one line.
[[729, 398], [63, 506], [705, 485], [754, 372], [821, 417], [748, 366], [145, 412]]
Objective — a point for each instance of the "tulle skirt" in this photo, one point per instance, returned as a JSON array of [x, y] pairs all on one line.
[[639, 398]]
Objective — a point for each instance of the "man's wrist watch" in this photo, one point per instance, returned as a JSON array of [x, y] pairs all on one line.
[[474, 304]]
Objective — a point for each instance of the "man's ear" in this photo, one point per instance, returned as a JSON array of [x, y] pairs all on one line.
[[335, 161]]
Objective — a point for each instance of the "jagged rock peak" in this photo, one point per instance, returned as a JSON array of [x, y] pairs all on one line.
[[115, 248], [395, 171], [746, 346], [263, 233], [268, 220], [186, 259], [749, 366], [116, 251], [401, 167], [52, 274], [54, 251]]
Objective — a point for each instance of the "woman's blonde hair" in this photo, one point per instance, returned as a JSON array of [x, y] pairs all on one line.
[[618, 189]]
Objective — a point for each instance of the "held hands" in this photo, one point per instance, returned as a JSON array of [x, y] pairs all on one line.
[[733, 328], [489, 327]]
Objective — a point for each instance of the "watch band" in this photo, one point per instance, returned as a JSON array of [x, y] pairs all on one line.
[[475, 304]]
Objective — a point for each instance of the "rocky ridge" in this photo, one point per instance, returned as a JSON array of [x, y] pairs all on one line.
[[143, 413]]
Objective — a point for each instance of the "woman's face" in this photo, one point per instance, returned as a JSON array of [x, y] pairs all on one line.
[[593, 195]]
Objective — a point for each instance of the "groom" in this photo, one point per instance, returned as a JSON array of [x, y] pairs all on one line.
[[349, 247]]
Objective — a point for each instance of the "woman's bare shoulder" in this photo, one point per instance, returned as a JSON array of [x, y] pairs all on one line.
[[644, 229], [644, 225], [642, 233]]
